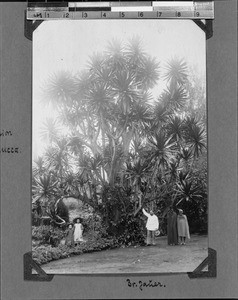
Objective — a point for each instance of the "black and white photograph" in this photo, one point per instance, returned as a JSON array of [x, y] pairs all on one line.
[[118, 150], [119, 147]]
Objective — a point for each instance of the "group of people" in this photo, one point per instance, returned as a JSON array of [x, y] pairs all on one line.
[[177, 227], [74, 234]]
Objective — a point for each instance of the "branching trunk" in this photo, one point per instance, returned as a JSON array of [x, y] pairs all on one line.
[[112, 170]]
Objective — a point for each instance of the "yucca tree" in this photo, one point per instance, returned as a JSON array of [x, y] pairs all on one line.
[[75, 145], [115, 55], [195, 136], [176, 73], [50, 130], [44, 189], [59, 90], [109, 99], [185, 136], [137, 172], [174, 128], [187, 189], [185, 158], [120, 139], [162, 149], [134, 52], [57, 158], [130, 82], [48, 200], [38, 167], [45, 186]]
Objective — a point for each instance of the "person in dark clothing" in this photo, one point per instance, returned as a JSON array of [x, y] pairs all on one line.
[[69, 239], [172, 230]]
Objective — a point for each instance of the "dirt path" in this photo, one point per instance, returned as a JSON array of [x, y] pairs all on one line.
[[158, 259]]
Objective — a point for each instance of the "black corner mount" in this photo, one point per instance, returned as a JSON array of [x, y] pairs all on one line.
[[209, 263], [206, 27], [29, 265], [30, 26]]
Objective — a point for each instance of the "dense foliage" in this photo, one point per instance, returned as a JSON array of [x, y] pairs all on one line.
[[47, 243], [47, 253], [123, 147]]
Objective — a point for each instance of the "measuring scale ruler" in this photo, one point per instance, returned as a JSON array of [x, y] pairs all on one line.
[[120, 10]]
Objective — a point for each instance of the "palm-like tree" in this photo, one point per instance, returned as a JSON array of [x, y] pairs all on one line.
[[160, 114], [186, 157], [195, 136], [76, 145], [174, 99], [187, 189], [57, 158], [38, 167], [44, 189], [115, 55], [137, 171], [60, 89], [174, 127], [50, 130], [176, 72], [45, 186], [134, 52], [125, 90], [117, 134], [148, 73], [162, 149]]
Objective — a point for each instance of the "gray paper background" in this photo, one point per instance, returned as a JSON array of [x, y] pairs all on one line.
[[15, 177]]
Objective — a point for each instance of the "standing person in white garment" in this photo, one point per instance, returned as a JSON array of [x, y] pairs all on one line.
[[152, 225]]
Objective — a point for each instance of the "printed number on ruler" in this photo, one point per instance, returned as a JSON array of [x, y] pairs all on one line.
[[66, 15], [51, 15], [84, 15]]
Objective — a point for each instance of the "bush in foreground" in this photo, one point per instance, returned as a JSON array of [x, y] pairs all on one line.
[[44, 254], [46, 234]]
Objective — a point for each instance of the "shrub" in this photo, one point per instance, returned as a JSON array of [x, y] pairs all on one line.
[[132, 231], [94, 224], [44, 254], [129, 230], [47, 235]]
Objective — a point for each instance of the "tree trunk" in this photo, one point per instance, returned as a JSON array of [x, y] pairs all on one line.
[[112, 170]]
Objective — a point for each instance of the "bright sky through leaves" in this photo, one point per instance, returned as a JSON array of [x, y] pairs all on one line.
[[67, 45]]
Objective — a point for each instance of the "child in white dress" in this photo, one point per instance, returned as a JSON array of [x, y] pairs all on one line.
[[78, 232]]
